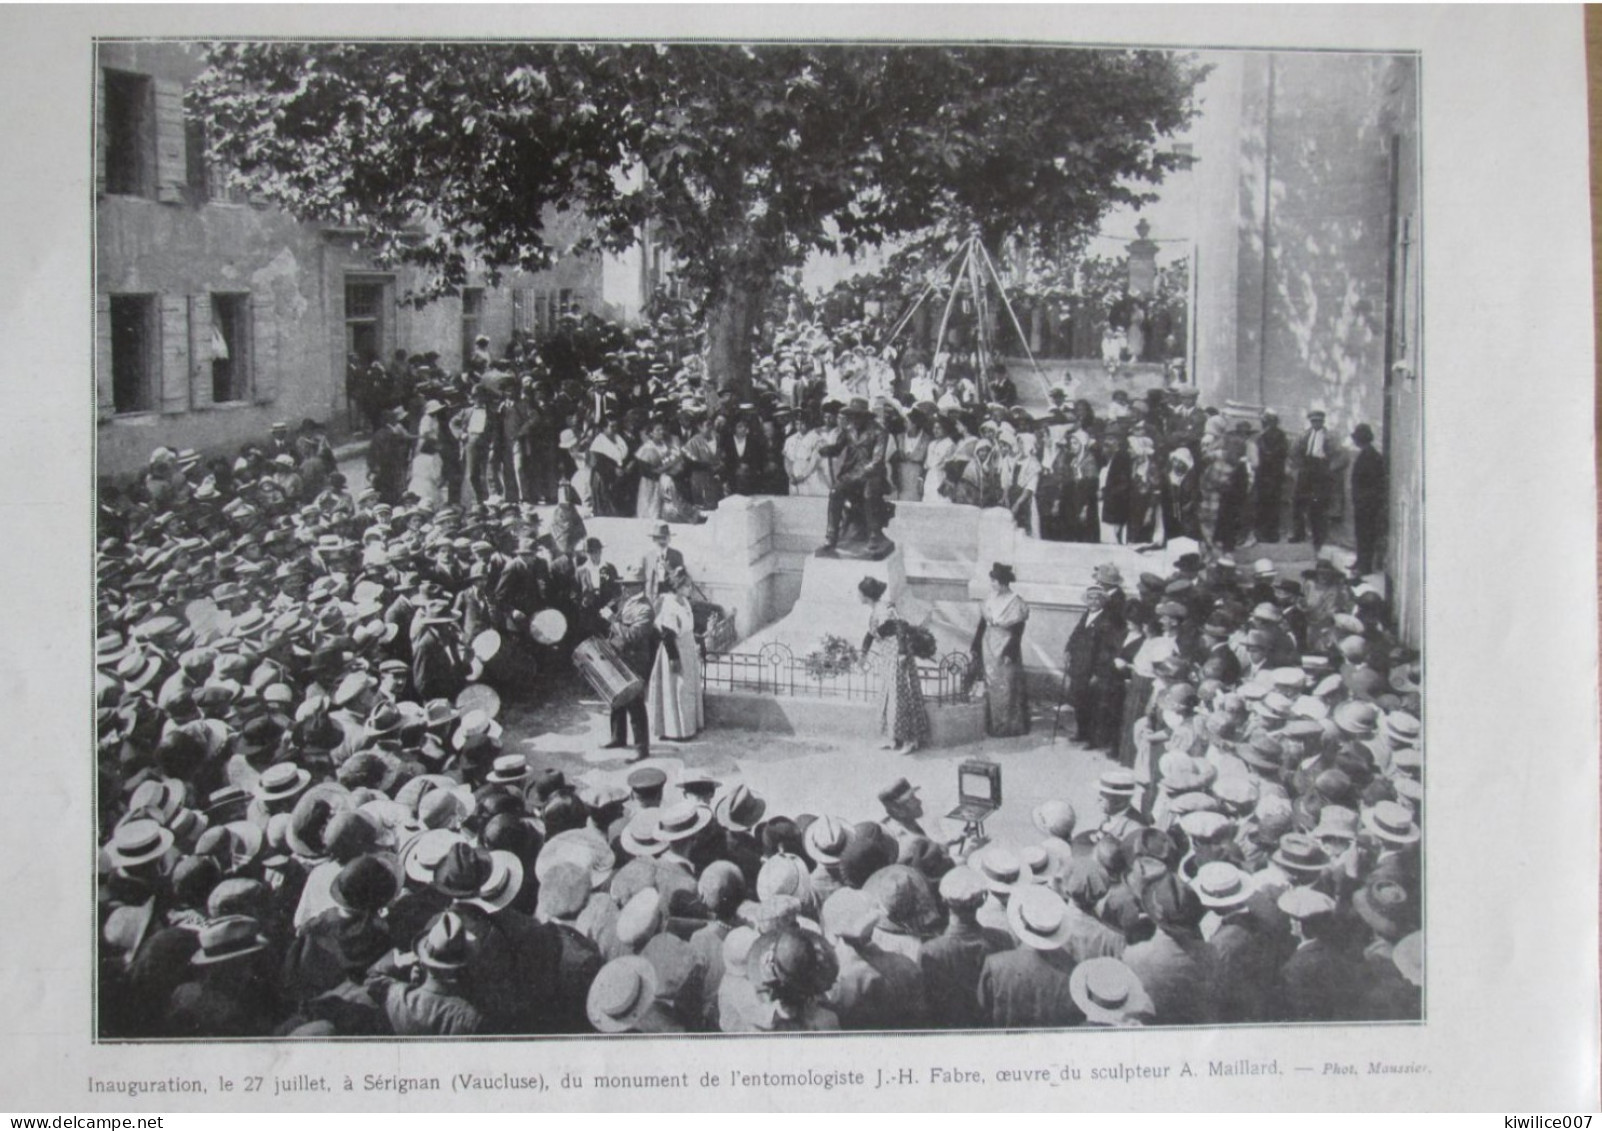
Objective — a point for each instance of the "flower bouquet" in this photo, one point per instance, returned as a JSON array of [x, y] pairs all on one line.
[[834, 656]]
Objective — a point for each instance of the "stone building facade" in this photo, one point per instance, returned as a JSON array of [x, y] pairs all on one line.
[[216, 315], [1308, 253]]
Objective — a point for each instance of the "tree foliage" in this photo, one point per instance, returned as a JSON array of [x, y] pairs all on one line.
[[743, 158]]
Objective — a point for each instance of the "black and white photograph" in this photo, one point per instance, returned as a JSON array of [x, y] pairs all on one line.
[[755, 537]]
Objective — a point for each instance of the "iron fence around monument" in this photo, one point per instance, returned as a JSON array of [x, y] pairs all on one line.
[[774, 669]]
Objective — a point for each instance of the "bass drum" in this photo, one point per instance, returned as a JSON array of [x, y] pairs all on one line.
[[548, 627], [604, 670], [502, 664]]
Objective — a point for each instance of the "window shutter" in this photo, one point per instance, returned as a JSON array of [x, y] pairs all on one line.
[[105, 394], [100, 136], [200, 351], [172, 163], [174, 353], [263, 351], [520, 309]]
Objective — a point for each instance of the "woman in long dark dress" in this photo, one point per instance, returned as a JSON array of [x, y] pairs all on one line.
[[998, 651], [1140, 520], [1116, 484], [700, 456]]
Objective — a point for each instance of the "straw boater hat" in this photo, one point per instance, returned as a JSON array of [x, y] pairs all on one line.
[[504, 883], [423, 853], [1107, 992], [1117, 783], [642, 836], [1221, 886], [509, 769], [138, 842], [1391, 822], [1039, 918], [281, 782], [622, 994], [682, 821], [1002, 870]]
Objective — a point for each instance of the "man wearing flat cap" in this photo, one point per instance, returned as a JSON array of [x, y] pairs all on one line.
[[1310, 460], [903, 808]]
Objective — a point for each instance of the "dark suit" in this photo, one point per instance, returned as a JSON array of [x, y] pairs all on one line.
[[951, 964], [860, 480], [521, 587], [1024, 988], [1273, 449], [1317, 983], [1246, 975], [1310, 512], [637, 645], [439, 667], [1092, 647], [1368, 505], [1225, 655]]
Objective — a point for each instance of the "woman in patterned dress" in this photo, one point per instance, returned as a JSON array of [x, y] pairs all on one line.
[[902, 718]]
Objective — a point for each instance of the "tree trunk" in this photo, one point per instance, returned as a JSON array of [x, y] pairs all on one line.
[[733, 314]]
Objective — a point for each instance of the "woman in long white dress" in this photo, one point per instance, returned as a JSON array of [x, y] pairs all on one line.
[[673, 701], [652, 456], [942, 449]]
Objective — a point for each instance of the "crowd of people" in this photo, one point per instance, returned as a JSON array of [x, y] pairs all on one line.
[[310, 825], [639, 435]]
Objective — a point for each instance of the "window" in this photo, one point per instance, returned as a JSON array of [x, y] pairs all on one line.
[[196, 170], [565, 302], [206, 177], [472, 317], [364, 322], [230, 348], [130, 134], [134, 358]]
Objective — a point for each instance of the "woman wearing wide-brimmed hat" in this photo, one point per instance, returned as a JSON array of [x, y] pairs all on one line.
[[998, 652]]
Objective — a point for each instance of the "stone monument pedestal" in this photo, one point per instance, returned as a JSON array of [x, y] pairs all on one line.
[[830, 605]]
